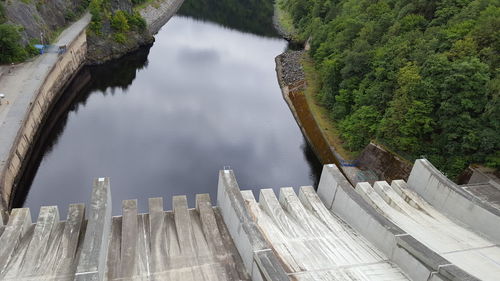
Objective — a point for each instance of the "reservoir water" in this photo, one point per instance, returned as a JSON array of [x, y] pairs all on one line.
[[164, 120]]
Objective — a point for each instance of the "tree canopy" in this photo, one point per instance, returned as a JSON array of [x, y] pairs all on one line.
[[421, 76]]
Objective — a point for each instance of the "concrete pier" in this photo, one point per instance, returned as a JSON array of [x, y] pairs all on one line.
[[475, 206]]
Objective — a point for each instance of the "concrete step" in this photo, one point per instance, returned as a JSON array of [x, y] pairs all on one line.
[[182, 244], [458, 244], [314, 244], [18, 225], [46, 250]]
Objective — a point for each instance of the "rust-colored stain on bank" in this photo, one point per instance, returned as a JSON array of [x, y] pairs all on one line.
[[311, 129]]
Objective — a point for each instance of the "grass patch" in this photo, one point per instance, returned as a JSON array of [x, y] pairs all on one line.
[[284, 18], [325, 123]]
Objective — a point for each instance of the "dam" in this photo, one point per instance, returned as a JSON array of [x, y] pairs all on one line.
[[339, 232], [425, 228]]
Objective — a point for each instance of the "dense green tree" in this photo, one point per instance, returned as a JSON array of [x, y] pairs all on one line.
[[421, 76], [10, 48]]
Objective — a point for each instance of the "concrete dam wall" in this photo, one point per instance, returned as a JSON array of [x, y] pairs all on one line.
[[46, 77], [379, 232], [33, 88]]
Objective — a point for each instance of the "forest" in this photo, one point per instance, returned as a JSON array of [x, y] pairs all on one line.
[[421, 77]]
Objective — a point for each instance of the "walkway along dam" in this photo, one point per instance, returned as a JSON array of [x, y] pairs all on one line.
[[425, 229]]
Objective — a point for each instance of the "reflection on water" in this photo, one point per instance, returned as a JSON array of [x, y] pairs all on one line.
[[206, 97], [254, 16], [117, 74]]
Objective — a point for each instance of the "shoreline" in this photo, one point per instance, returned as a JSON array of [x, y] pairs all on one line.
[[30, 91], [156, 13], [373, 163], [291, 79]]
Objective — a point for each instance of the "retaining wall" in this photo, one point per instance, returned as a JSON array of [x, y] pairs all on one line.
[[64, 68], [449, 198], [259, 259], [418, 261]]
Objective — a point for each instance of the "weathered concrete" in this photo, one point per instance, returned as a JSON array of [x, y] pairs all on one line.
[[30, 91], [157, 14], [459, 245], [245, 233], [455, 201], [313, 243], [399, 246], [290, 238], [46, 250], [92, 261], [183, 244]]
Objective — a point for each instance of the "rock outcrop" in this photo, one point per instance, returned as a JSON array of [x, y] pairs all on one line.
[[41, 21], [102, 48]]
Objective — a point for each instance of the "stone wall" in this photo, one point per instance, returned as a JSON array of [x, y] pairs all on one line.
[[63, 70], [385, 164]]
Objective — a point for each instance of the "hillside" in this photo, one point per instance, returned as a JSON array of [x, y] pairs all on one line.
[[421, 77], [27, 22]]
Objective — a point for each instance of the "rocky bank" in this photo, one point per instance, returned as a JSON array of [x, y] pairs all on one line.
[[41, 20], [156, 13]]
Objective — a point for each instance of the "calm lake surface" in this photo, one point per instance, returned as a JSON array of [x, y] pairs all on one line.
[[164, 120]]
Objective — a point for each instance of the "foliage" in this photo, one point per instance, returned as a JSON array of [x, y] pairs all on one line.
[[136, 21], [95, 8], [10, 48], [119, 22], [120, 37], [421, 76]]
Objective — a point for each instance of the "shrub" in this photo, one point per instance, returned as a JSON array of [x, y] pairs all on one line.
[[137, 21], [119, 22], [10, 48], [120, 37], [95, 11]]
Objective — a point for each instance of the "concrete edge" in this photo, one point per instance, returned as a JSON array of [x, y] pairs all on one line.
[[418, 261], [5, 203], [258, 257], [93, 257], [451, 199]]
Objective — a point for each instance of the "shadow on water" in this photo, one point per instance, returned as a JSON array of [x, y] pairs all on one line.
[[118, 73], [253, 16], [314, 164]]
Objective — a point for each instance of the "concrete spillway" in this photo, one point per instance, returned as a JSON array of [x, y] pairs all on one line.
[[183, 244], [313, 243], [384, 232], [460, 245]]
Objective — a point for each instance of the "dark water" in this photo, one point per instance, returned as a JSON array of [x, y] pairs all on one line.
[[163, 121]]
